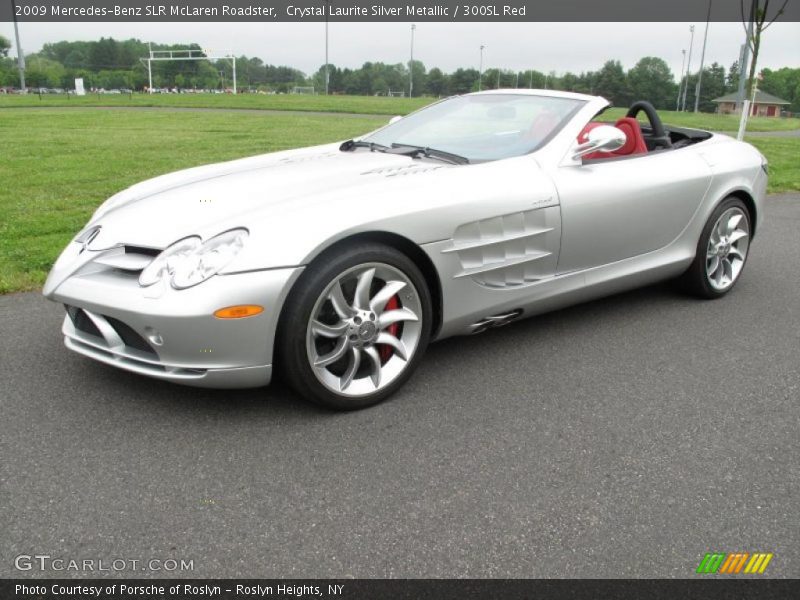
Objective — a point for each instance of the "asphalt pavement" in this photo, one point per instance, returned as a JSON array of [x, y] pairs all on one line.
[[622, 438]]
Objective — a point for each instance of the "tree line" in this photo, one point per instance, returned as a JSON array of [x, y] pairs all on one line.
[[110, 64]]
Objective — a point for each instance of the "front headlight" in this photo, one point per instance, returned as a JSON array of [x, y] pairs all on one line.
[[169, 260], [208, 259]]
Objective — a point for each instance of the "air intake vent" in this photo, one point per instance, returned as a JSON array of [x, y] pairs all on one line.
[[495, 321], [112, 332], [129, 336], [128, 258], [414, 169], [82, 323], [142, 250]]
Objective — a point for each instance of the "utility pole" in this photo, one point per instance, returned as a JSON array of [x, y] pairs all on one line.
[[688, 68], [702, 61], [327, 75], [411, 64], [746, 56], [20, 55], [150, 68], [480, 70], [680, 83]]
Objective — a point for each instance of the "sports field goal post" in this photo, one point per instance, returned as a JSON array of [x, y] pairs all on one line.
[[162, 55], [303, 89]]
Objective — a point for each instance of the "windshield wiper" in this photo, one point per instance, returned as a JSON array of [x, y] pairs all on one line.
[[350, 144], [416, 151]]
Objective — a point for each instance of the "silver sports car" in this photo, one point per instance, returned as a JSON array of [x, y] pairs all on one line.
[[336, 265]]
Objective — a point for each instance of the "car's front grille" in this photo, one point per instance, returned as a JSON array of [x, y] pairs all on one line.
[[94, 324], [129, 260], [142, 250]]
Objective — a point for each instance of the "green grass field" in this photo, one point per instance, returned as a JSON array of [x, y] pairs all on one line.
[[783, 155], [373, 105], [58, 165], [346, 104]]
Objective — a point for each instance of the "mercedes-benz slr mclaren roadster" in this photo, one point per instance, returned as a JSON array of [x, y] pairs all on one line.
[[336, 265]]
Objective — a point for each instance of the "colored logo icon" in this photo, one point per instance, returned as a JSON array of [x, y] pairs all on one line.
[[734, 563]]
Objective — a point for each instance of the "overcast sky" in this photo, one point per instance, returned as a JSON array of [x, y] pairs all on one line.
[[559, 47]]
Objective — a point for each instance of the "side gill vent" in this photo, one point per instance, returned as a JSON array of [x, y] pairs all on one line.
[[495, 321], [510, 250]]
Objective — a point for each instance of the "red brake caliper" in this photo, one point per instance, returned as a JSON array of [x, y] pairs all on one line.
[[393, 329]]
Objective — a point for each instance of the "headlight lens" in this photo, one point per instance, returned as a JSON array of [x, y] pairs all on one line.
[[169, 260], [207, 260]]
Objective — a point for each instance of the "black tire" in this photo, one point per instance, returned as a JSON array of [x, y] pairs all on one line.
[[695, 280], [292, 357]]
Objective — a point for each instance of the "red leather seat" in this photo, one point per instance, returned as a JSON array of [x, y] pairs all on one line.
[[634, 143], [634, 140], [583, 136]]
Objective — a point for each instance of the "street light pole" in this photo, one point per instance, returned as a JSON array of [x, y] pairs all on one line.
[[680, 82], [327, 76], [480, 70], [411, 64], [702, 61], [688, 68], [20, 56]]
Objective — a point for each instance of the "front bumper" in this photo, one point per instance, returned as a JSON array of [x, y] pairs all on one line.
[[174, 335]]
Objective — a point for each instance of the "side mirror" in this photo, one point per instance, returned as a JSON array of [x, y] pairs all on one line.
[[394, 120], [601, 139]]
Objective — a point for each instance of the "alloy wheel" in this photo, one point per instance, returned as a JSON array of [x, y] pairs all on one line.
[[364, 329], [727, 248]]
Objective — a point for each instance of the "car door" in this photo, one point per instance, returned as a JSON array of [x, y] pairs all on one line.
[[613, 209]]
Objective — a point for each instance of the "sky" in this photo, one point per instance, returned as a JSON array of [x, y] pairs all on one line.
[[558, 47]]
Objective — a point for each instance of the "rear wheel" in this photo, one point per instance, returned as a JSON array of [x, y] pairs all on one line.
[[721, 251], [355, 327]]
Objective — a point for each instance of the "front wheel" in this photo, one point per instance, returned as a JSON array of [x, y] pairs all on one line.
[[721, 251], [355, 327]]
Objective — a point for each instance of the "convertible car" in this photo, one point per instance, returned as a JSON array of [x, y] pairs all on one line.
[[336, 265]]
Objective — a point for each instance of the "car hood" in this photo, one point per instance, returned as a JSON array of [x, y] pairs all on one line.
[[207, 200]]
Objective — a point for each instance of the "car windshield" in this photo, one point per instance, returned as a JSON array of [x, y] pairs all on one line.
[[481, 127]]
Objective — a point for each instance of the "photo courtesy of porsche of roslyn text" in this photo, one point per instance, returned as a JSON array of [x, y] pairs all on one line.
[[462, 302]]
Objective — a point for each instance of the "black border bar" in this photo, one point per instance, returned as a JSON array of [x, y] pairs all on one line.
[[709, 588], [384, 10]]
